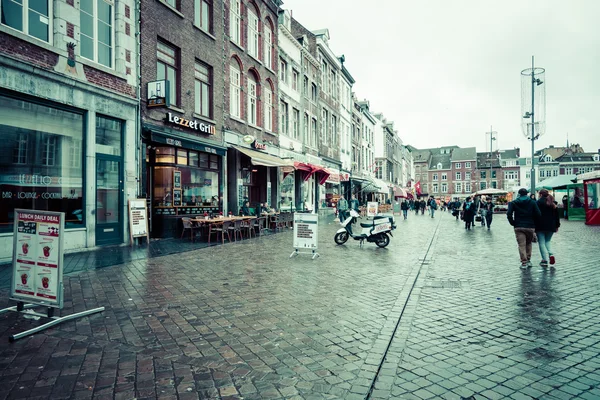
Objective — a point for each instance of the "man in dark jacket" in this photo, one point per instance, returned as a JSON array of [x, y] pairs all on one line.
[[522, 213]]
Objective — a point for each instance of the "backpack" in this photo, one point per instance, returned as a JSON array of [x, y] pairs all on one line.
[[468, 206]]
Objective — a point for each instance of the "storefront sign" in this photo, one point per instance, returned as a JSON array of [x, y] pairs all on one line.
[[177, 179], [189, 123], [248, 139], [306, 231], [258, 146], [344, 177], [372, 207], [38, 257], [138, 219]]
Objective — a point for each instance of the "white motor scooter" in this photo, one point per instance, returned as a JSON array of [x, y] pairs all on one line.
[[376, 231]]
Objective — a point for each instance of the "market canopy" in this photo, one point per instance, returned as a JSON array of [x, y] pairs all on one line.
[[556, 182], [490, 192], [376, 186], [264, 159]]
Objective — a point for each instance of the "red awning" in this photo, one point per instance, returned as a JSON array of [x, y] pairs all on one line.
[[309, 169]]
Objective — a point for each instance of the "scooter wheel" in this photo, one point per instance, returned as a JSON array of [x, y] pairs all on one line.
[[383, 240], [341, 237]]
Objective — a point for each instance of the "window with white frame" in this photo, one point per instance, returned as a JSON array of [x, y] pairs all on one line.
[[313, 92], [458, 187], [295, 123], [510, 175], [166, 68], [596, 157], [334, 132], [467, 188], [295, 79], [283, 117], [96, 19], [283, 71], [48, 149], [435, 177], [555, 172], [444, 188], [467, 165], [203, 14], [458, 176], [569, 170], [458, 165], [435, 188], [235, 91], [313, 132], [203, 89], [268, 104], [32, 17], [324, 73], [527, 174], [235, 21], [268, 45], [467, 176], [444, 176], [253, 36], [324, 126], [252, 101], [75, 153], [305, 128]]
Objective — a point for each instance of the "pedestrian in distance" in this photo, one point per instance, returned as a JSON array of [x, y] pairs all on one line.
[[521, 214], [354, 204], [404, 207], [423, 204], [432, 206], [468, 213], [488, 211], [565, 202], [417, 206], [342, 207], [546, 226]]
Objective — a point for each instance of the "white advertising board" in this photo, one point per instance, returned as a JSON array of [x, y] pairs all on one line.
[[306, 229], [138, 218], [38, 257], [372, 207]]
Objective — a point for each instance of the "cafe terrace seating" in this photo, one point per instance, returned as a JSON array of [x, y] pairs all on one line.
[[222, 228], [189, 226]]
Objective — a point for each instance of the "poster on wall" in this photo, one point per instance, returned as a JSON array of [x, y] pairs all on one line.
[[372, 207], [177, 179], [306, 231], [38, 257], [138, 219]]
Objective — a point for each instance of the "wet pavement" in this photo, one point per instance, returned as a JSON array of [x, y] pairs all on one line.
[[441, 313]]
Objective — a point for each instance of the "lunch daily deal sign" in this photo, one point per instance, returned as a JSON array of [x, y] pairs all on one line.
[[38, 257], [305, 231]]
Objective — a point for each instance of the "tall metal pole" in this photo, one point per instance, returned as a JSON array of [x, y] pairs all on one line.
[[532, 126], [491, 153]]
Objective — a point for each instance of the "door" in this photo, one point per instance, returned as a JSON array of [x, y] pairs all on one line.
[[109, 200]]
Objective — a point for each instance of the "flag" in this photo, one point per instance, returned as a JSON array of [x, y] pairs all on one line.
[[418, 188]]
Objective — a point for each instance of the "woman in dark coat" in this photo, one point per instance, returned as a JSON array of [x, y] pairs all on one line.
[[468, 213], [546, 226]]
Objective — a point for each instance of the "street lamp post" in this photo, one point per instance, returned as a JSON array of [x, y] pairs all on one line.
[[492, 138], [528, 99]]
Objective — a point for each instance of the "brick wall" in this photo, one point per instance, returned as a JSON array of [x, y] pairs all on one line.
[[27, 52]]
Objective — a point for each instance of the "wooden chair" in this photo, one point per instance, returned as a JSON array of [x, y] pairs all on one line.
[[188, 225], [275, 222], [248, 226], [259, 224], [219, 228], [236, 229]]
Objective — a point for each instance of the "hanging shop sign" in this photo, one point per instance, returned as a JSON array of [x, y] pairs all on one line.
[[258, 146], [158, 94], [344, 176], [190, 123], [38, 257], [248, 139]]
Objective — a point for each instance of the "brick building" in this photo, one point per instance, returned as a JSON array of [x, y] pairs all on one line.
[[182, 110], [68, 116], [464, 165]]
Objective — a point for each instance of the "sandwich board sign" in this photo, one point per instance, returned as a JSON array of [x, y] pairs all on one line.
[[138, 219], [372, 207], [38, 258], [306, 233]]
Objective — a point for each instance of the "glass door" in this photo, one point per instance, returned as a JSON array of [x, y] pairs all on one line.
[[109, 195]]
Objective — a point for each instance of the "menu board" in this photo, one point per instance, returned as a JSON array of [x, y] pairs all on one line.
[[138, 219], [38, 257], [176, 197], [177, 179], [306, 231]]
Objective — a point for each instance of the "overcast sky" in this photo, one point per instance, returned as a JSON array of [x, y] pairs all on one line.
[[446, 70]]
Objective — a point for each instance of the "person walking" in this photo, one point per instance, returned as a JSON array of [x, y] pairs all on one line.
[[432, 206], [417, 206], [404, 207], [546, 226], [423, 205], [521, 214], [342, 207], [468, 213], [488, 211]]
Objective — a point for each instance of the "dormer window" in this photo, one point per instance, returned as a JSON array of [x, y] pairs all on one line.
[[596, 157], [548, 158], [439, 166]]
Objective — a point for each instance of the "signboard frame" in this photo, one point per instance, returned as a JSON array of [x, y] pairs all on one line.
[[372, 208], [306, 222], [158, 93], [32, 261], [132, 206], [176, 179]]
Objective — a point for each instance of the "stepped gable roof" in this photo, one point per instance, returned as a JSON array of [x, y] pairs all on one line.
[[444, 159], [466, 154], [483, 160]]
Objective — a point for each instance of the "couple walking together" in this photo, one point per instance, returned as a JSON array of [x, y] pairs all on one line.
[[534, 219]]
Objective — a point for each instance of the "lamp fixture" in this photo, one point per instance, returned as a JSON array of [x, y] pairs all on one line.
[[527, 115]]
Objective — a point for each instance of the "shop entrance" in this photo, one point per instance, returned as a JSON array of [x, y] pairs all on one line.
[[109, 203]]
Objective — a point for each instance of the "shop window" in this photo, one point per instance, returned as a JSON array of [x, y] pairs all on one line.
[[203, 14], [166, 68], [182, 158], [96, 17], [286, 202], [193, 159], [31, 17], [203, 90], [165, 155], [214, 162], [37, 168], [108, 136]]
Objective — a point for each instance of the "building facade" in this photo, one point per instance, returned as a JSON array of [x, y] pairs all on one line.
[[68, 116]]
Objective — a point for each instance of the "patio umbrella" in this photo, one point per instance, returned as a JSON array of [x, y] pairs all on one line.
[[491, 192]]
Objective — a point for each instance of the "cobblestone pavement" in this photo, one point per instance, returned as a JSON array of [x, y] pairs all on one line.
[[441, 313]]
